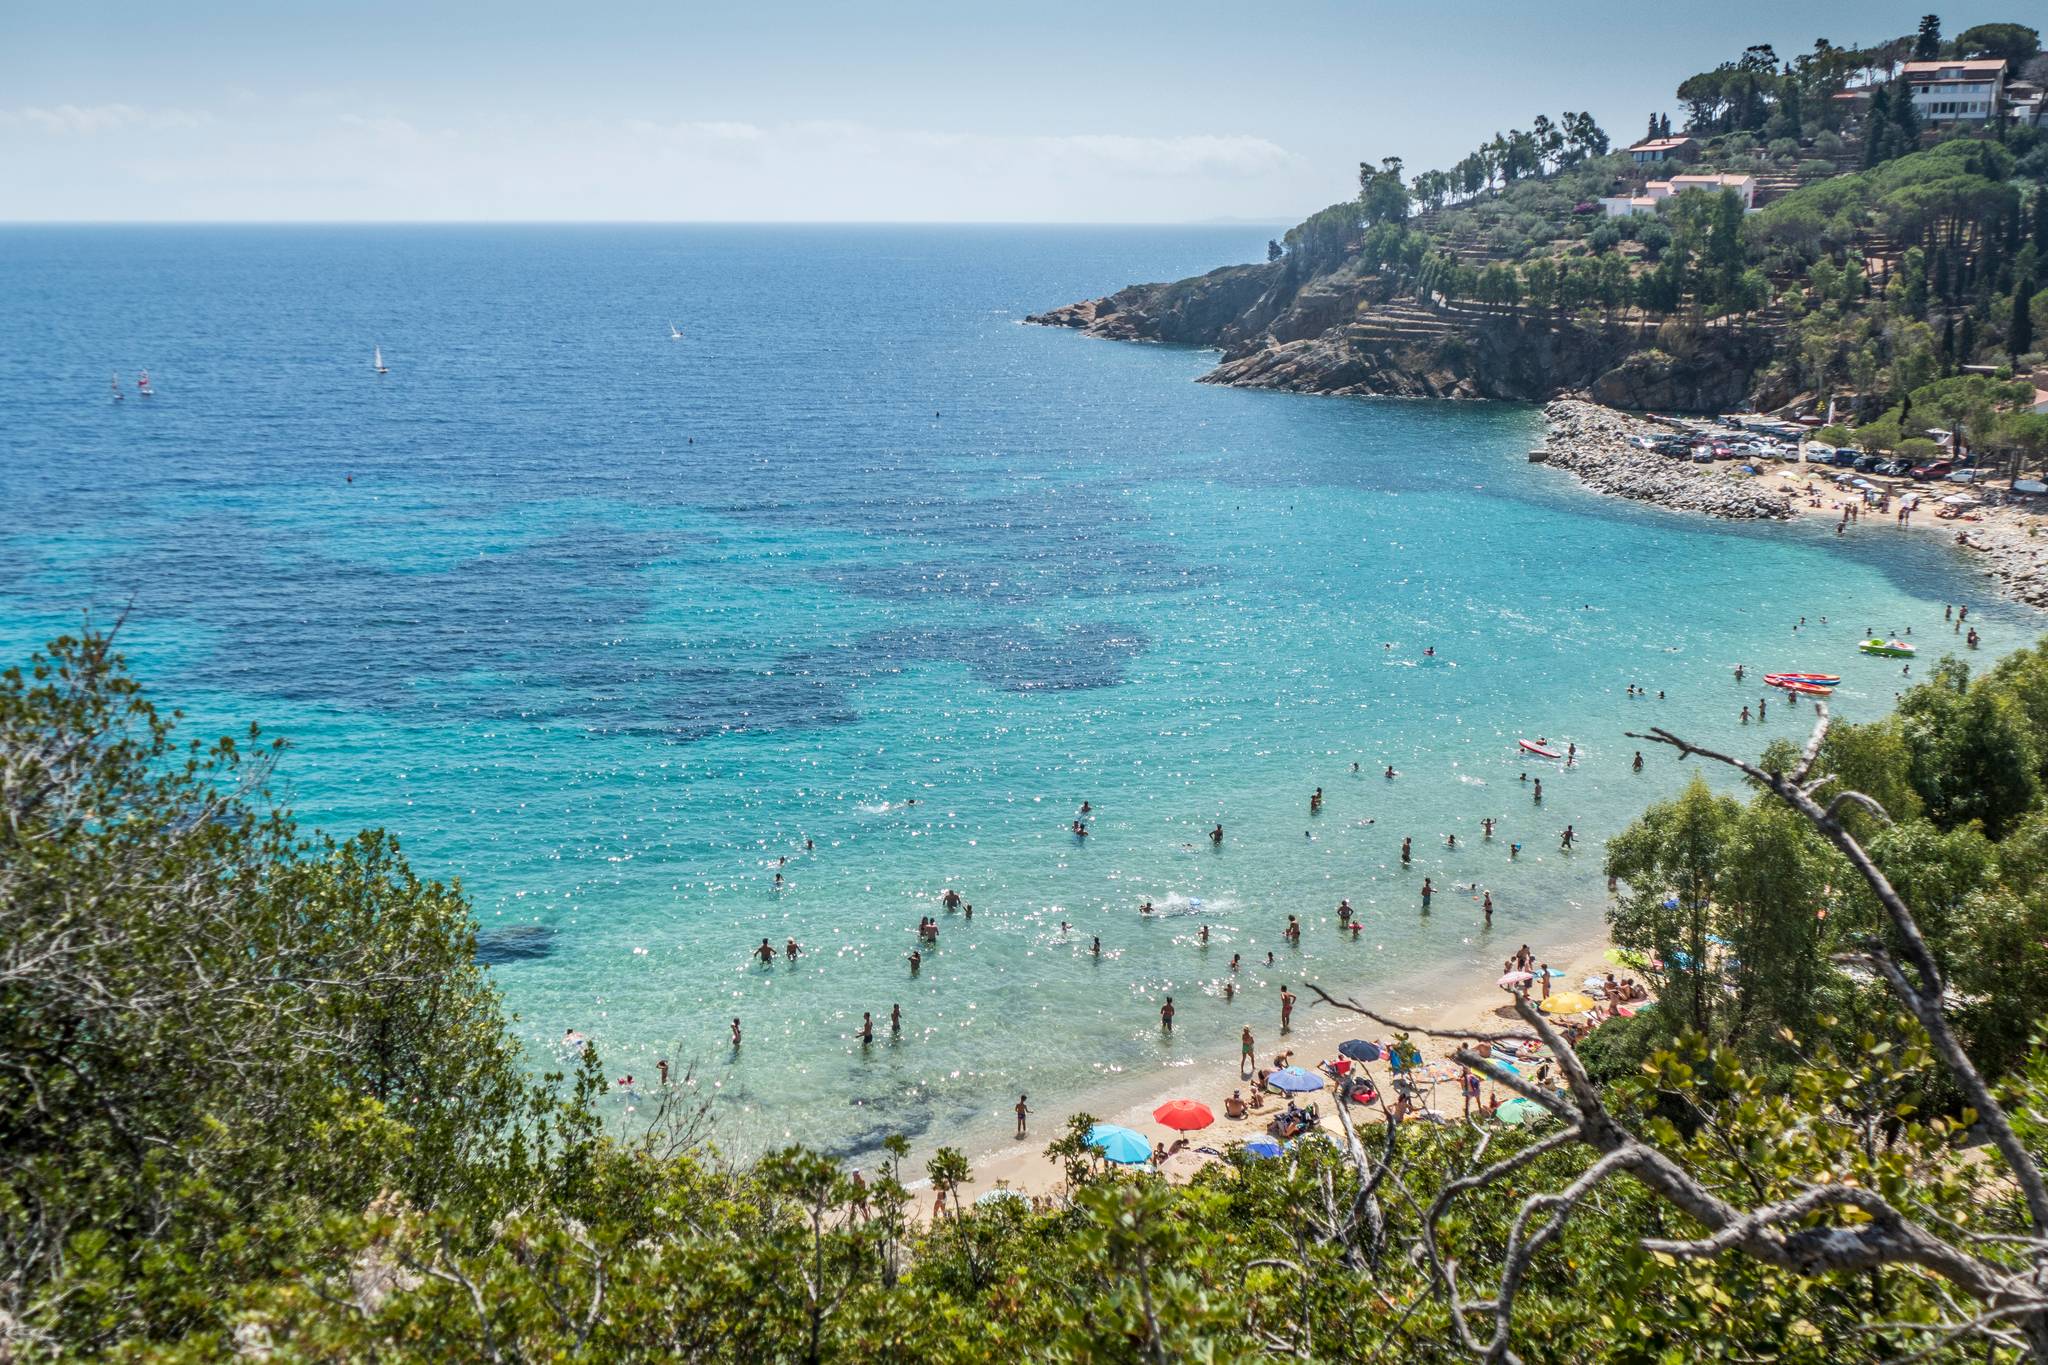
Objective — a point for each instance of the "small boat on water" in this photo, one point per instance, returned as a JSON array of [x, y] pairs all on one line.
[[1532, 746], [142, 385], [1890, 649], [674, 332], [118, 395], [377, 360]]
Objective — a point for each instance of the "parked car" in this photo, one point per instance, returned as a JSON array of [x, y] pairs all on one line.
[[1702, 455], [1845, 457], [1819, 451], [1894, 467], [1969, 476], [1940, 469], [1868, 463]]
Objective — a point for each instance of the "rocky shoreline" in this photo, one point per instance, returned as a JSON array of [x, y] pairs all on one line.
[[1592, 442]]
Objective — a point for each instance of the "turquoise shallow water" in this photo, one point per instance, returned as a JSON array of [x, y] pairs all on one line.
[[606, 624]]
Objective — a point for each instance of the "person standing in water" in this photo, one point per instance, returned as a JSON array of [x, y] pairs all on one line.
[[1286, 1009], [867, 1028], [735, 1035], [1638, 764], [1564, 841], [1539, 791], [1095, 950], [1023, 1112], [1427, 891], [1486, 907], [1486, 827], [765, 952], [1405, 855], [896, 1020], [1216, 836], [1166, 1015], [1247, 1051]]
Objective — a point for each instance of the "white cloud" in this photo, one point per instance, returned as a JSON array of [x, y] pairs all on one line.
[[87, 119], [299, 162]]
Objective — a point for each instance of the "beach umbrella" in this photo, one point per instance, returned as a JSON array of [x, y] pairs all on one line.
[[1570, 1002], [998, 1197], [1184, 1115], [1121, 1145], [1359, 1050], [1262, 1147], [1518, 1111], [1294, 1080], [1515, 980]]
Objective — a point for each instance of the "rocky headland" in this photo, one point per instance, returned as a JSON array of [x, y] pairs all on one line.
[[1348, 334]]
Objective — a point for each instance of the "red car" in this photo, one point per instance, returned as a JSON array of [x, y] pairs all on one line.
[[1940, 469]]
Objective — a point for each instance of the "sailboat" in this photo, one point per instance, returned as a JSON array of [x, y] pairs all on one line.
[[118, 395], [377, 360], [142, 385], [674, 333]]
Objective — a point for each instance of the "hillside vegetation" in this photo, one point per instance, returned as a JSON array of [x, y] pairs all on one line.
[[1884, 256]]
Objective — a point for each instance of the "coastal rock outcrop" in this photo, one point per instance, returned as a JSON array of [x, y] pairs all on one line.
[[1346, 334], [1592, 442]]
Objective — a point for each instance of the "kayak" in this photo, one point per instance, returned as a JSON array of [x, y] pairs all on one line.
[[1890, 649], [1823, 679], [1793, 682], [1537, 749], [1806, 689]]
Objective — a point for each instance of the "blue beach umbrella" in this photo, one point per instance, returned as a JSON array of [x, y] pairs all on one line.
[[1294, 1080], [1262, 1147], [1358, 1050], [1121, 1145]]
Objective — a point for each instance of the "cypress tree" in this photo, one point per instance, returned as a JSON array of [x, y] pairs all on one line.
[[2019, 337]]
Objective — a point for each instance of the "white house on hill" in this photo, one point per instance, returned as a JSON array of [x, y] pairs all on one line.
[[1954, 92]]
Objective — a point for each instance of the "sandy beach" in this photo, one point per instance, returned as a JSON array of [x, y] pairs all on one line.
[[1020, 1164]]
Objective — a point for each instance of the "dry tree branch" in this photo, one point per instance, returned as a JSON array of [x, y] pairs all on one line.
[[2012, 1299]]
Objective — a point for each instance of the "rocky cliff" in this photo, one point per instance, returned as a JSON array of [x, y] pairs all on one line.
[[1347, 334]]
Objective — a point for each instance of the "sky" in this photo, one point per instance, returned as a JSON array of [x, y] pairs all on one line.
[[796, 110]]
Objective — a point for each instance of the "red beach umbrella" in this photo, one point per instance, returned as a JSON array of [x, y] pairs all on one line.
[[1184, 1115]]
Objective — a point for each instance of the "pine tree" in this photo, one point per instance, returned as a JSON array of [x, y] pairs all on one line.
[[1927, 46]]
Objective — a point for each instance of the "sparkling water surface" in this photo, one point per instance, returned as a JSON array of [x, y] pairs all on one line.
[[606, 624]]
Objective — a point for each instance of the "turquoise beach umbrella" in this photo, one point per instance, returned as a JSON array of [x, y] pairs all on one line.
[[1519, 1111], [1121, 1145]]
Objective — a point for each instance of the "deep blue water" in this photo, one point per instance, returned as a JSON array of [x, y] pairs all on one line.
[[605, 624]]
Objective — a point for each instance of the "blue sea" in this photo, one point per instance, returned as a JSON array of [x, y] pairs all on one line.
[[863, 574]]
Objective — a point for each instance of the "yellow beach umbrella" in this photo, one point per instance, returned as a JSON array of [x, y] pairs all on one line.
[[1570, 1002]]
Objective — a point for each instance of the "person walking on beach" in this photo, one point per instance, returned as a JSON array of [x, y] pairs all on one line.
[[1286, 1009], [1543, 975], [1023, 1112], [1166, 1016], [1247, 1051]]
